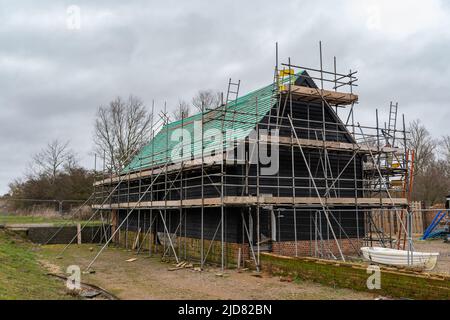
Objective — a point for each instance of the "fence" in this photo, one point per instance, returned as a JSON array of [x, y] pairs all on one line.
[[43, 207]]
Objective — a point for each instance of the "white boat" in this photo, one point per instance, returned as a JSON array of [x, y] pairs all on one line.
[[421, 260]]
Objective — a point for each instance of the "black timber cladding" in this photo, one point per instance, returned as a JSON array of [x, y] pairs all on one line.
[[307, 222]]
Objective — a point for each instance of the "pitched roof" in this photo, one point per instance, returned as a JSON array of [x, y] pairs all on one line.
[[240, 117]]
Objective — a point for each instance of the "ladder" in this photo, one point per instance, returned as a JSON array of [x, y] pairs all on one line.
[[231, 99], [392, 126], [232, 91]]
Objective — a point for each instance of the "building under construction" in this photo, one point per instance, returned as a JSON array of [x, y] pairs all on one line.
[[283, 169]]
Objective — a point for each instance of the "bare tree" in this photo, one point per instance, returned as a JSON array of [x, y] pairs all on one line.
[[53, 158], [71, 162], [182, 110], [206, 99], [424, 146], [444, 148], [432, 185], [121, 128]]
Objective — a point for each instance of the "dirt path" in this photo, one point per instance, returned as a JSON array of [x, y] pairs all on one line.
[[149, 278]]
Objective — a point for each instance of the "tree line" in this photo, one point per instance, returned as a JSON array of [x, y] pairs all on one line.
[[431, 164], [53, 174]]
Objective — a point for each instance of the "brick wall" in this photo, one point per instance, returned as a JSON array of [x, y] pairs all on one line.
[[186, 248], [394, 283], [307, 248], [190, 248]]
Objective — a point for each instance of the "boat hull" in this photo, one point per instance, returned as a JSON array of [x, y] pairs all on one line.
[[421, 260]]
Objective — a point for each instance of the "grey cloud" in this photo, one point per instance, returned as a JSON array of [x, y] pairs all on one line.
[[52, 79]]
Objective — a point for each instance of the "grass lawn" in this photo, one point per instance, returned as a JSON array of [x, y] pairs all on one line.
[[21, 275]]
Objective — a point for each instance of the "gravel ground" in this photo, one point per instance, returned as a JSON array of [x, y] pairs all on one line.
[[149, 278], [443, 264]]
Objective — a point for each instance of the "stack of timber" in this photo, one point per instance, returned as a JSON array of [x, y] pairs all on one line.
[[388, 220]]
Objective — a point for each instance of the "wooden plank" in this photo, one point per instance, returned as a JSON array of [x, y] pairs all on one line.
[[252, 200], [315, 95], [114, 224], [147, 173], [417, 218], [136, 241], [333, 145], [79, 240], [421, 221]]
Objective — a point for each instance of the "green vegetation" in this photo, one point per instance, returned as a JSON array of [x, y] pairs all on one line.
[[56, 221], [21, 275]]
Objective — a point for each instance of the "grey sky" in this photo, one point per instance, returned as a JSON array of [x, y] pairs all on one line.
[[52, 79]]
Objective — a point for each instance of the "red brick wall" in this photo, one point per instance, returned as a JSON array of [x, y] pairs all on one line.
[[231, 250], [190, 246], [307, 248]]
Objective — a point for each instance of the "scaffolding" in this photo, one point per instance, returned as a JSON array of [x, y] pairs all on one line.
[[342, 177]]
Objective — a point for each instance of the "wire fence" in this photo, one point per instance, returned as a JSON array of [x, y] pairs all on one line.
[[61, 208]]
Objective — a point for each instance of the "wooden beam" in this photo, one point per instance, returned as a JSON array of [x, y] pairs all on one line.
[[148, 172], [331, 145], [315, 95], [253, 200]]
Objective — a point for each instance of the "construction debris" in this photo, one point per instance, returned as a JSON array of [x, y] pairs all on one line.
[[285, 279], [182, 265], [90, 294], [136, 241], [90, 271], [131, 260]]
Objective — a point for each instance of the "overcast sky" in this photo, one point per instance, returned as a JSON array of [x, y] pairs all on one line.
[[55, 73]]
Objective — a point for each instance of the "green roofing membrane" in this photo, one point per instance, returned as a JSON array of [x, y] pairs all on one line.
[[237, 119]]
